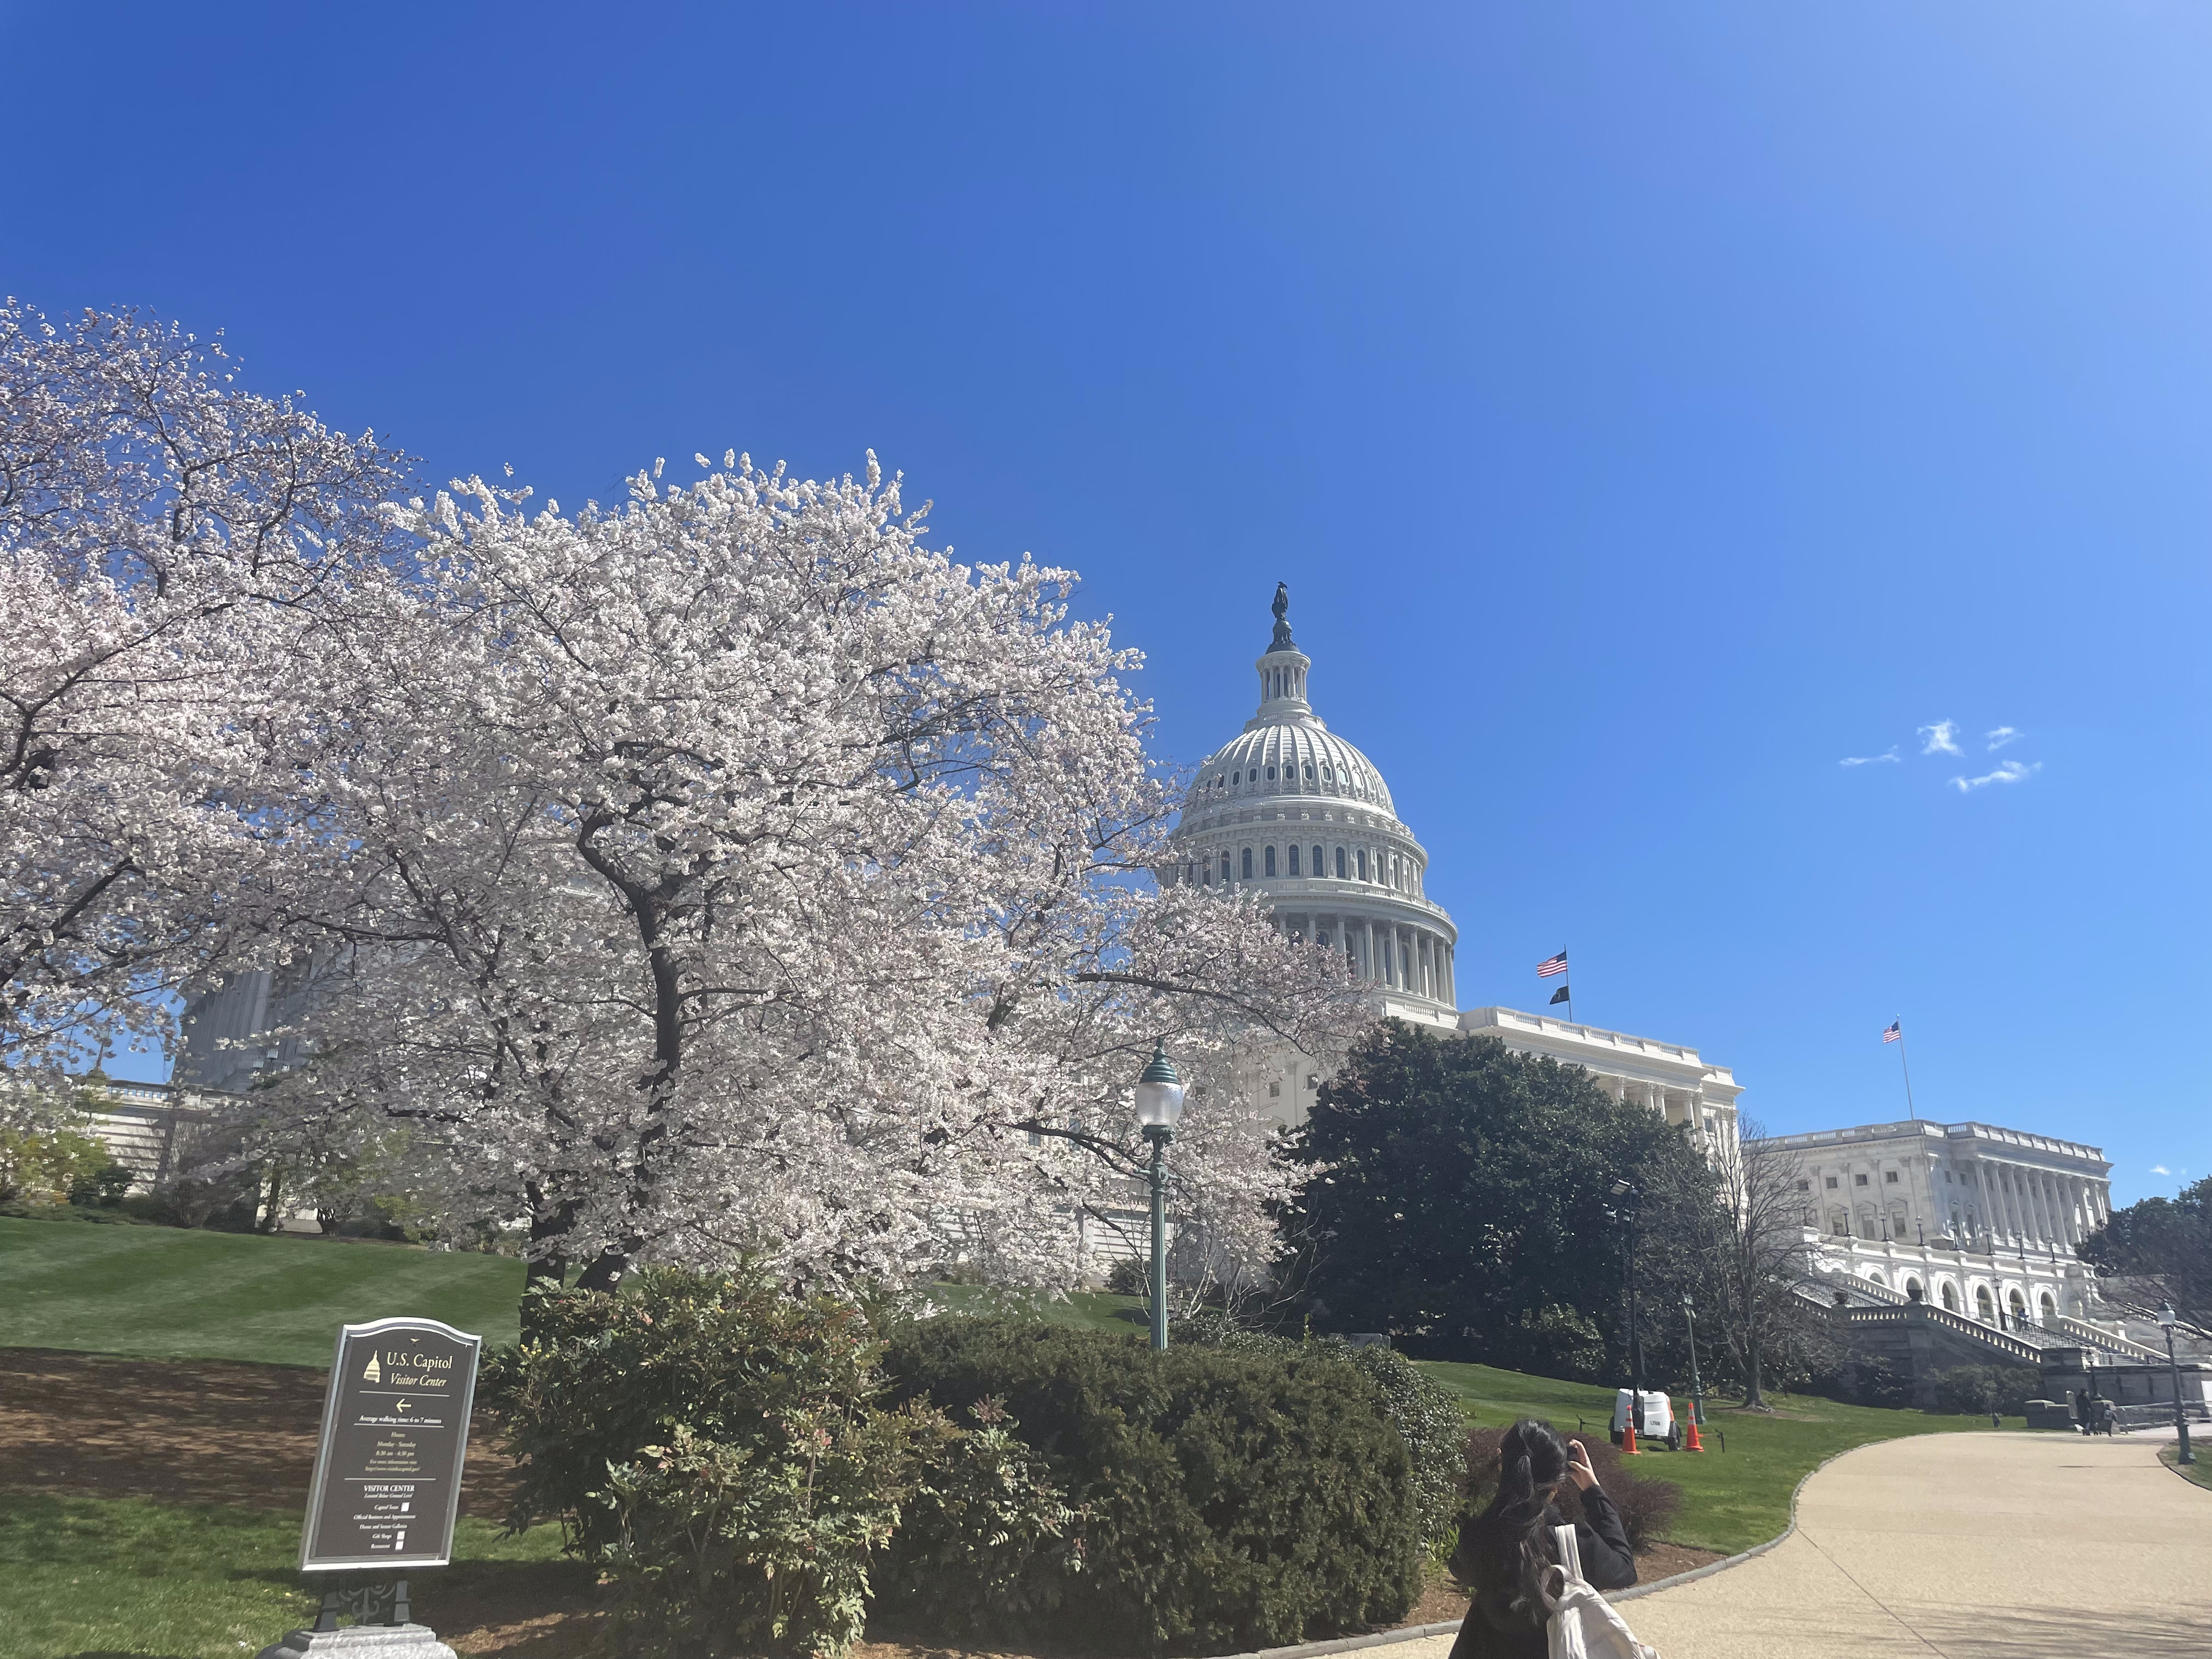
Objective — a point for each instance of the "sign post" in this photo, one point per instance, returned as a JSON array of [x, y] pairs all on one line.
[[388, 1485]]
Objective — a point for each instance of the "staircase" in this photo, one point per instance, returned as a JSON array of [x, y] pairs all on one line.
[[2058, 1331], [2078, 1335], [1903, 1331]]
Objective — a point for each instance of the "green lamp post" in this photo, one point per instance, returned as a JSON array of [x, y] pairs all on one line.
[[1697, 1387], [1159, 1109], [2182, 1453]]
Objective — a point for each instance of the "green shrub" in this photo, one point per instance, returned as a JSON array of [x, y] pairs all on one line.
[[1425, 1413], [1880, 1384], [724, 1449], [1229, 1500], [1977, 1390], [45, 1167], [986, 1543], [1553, 1340], [1129, 1277], [104, 1186]]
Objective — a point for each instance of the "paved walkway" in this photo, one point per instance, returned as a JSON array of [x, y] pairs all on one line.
[[1963, 1546]]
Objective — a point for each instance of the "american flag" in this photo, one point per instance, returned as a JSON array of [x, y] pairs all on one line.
[[1552, 965], [1895, 1033]]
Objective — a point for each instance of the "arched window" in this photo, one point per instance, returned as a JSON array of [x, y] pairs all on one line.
[[1294, 858], [1323, 940], [1271, 860], [1985, 1307], [1309, 771], [1339, 864], [1950, 1296], [1225, 864], [1319, 868], [1363, 864], [1912, 1289], [1247, 864], [2019, 1307], [2050, 1308], [1328, 773]]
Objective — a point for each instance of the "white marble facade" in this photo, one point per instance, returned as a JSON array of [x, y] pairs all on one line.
[[1980, 1219]]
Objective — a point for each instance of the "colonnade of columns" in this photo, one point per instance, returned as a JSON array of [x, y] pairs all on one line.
[[2026, 1205], [1406, 958]]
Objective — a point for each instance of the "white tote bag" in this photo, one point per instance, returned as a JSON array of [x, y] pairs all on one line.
[[1587, 1625]]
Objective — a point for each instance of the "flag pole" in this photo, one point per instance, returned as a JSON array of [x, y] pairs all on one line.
[[1910, 1110]]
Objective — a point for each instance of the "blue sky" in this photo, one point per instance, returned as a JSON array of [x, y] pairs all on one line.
[[1649, 408]]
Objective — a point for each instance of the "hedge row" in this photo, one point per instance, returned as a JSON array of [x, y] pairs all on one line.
[[1229, 1501], [760, 1474]]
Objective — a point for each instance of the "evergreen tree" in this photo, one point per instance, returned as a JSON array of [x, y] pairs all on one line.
[[1457, 1195]]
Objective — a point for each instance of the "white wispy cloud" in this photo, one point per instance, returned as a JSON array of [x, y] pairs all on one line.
[[2002, 736], [1869, 760], [2159, 1169], [2007, 772], [1941, 738]]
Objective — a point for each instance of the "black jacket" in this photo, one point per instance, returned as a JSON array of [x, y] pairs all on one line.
[[1494, 1628]]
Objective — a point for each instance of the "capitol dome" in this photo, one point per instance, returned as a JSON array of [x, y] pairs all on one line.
[[1290, 808]]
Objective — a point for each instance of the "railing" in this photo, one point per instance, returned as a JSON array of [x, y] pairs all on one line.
[[1988, 1336], [2003, 1342], [2089, 1336]]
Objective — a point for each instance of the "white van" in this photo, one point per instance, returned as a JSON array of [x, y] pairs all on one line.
[[1656, 1423]]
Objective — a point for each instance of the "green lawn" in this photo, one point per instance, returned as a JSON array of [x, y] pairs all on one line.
[[119, 1579], [2201, 1470], [1731, 1499], [1094, 1310], [169, 1293]]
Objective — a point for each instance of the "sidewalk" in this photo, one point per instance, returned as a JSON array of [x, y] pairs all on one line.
[[1994, 1545]]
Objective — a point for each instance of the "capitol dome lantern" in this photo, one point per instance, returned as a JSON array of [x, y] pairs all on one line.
[[1290, 808]]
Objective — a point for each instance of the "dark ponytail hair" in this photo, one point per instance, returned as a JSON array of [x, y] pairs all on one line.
[[1532, 1462]]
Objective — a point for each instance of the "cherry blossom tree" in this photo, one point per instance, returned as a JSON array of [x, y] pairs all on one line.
[[730, 874], [167, 542]]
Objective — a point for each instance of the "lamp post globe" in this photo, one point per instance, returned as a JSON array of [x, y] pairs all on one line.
[[2167, 1320], [1159, 1095], [1160, 1109]]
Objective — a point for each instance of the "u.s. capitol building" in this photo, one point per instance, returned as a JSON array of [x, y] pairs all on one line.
[[1293, 809]]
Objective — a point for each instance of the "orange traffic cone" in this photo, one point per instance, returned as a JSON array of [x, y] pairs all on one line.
[[1628, 1440], [1694, 1444]]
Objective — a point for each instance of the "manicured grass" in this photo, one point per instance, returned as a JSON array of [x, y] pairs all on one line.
[[164, 1293], [1095, 1311], [114, 1577], [170, 1294], [2201, 1470], [1731, 1499]]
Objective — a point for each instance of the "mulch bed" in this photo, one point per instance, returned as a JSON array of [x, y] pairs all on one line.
[[215, 1431]]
